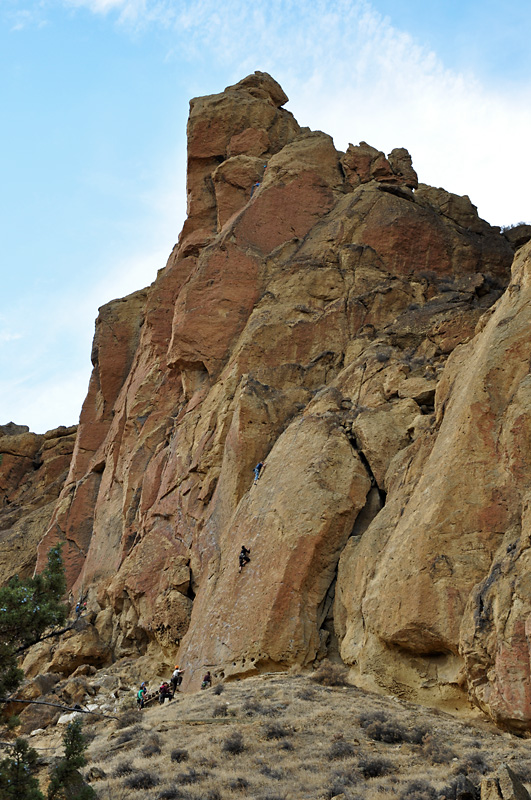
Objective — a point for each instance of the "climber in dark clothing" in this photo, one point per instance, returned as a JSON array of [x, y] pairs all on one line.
[[244, 557], [164, 692], [257, 470]]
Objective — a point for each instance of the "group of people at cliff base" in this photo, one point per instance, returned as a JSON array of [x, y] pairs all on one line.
[[167, 690]]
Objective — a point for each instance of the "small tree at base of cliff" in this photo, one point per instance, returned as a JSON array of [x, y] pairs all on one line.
[[66, 781], [27, 610], [16, 778]]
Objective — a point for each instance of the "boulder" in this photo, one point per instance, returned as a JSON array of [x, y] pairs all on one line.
[[505, 785]]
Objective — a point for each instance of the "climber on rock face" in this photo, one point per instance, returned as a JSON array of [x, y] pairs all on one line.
[[176, 678], [244, 557], [258, 470]]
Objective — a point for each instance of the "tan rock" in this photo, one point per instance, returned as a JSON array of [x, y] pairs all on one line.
[[12, 429], [363, 163], [309, 324], [250, 142], [400, 162], [506, 785], [418, 389], [299, 533], [214, 121], [83, 647], [234, 180], [32, 471], [262, 85], [382, 432]]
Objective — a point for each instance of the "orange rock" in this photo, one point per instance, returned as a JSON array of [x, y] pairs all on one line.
[[32, 472], [308, 326]]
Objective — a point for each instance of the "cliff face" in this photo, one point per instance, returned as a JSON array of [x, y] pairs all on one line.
[[33, 469], [325, 314]]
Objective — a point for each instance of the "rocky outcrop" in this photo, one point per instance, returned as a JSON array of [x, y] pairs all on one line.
[[326, 314], [33, 469], [505, 785], [455, 512], [518, 235]]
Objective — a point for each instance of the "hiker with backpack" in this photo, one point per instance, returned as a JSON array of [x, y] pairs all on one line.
[[244, 557]]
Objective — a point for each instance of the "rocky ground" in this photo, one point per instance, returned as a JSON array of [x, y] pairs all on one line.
[[290, 737]]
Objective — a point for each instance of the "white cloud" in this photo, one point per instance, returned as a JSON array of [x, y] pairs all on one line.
[[98, 6], [350, 73], [44, 404], [8, 336], [47, 383]]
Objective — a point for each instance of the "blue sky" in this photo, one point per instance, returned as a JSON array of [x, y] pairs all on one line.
[[94, 105]]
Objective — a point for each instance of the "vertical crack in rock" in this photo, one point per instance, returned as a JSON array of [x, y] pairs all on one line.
[[363, 458]]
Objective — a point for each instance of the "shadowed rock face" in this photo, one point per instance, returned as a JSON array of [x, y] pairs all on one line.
[[33, 469], [319, 314]]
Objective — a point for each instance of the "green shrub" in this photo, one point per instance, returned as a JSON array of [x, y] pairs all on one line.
[[17, 781], [66, 781]]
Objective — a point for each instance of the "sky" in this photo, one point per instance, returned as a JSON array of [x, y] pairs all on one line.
[[94, 101]]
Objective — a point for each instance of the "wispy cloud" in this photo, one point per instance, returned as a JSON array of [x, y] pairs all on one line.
[[99, 6], [32, 15], [6, 336], [348, 72], [352, 74], [31, 400], [45, 391], [44, 385]]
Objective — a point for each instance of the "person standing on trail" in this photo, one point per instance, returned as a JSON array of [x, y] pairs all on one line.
[[140, 696], [164, 692], [244, 557]]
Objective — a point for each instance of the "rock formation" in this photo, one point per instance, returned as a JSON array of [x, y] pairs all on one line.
[[326, 314], [33, 469]]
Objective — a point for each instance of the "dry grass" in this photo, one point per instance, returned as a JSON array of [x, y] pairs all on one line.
[[285, 737]]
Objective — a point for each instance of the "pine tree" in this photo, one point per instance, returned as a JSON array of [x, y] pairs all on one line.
[[66, 781], [16, 779], [27, 610]]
